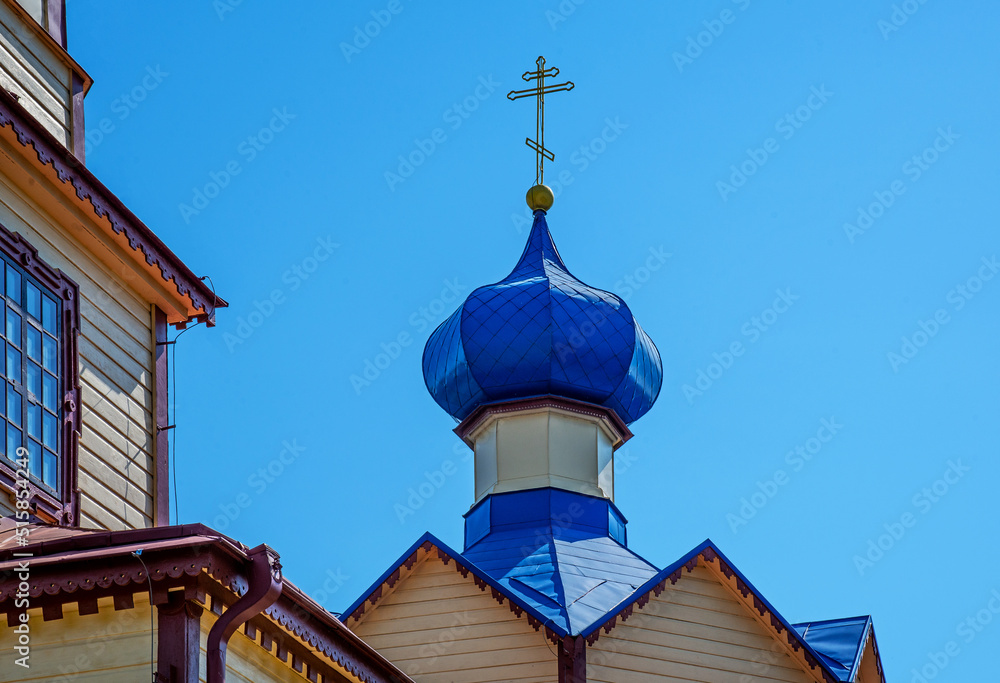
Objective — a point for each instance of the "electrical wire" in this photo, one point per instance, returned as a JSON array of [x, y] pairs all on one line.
[[172, 419], [137, 554]]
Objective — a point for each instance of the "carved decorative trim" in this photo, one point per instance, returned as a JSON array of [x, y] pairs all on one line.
[[132, 231]]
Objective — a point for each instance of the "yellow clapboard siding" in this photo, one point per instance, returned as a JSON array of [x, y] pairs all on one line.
[[691, 632], [445, 606], [432, 594], [113, 425], [44, 94], [124, 372], [693, 615], [98, 391], [126, 332], [695, 637], [37, 55], [131, 406], [108, 646], [434, 579], [482, 622], [652, 658], [440, 627], [136, 465], [502, 631], [93, 515], [125, 498]]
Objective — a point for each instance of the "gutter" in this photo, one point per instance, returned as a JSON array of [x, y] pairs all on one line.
[[263, 589]]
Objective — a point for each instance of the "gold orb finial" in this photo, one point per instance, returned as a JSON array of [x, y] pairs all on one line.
[[540, 197]]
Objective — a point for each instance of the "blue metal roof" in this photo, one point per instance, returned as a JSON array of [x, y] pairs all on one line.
[[839, 643], [556, 554], [540, 331]]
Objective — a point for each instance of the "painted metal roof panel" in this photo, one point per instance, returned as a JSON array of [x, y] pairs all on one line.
[[839, 642]]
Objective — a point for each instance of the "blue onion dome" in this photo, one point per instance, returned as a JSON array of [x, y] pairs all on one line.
[[540, 331]]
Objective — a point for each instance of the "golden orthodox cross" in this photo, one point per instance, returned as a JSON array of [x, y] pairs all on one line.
[[539, 91]]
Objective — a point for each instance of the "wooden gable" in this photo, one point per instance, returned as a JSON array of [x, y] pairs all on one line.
[[698, 628], [439, 624]]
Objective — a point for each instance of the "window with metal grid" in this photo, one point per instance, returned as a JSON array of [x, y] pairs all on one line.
[[31, 370]]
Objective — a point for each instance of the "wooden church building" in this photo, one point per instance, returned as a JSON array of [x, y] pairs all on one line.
[[543, 372]]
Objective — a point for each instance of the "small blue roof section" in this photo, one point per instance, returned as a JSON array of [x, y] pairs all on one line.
[[839, 643], [540, 331], [553, 550]]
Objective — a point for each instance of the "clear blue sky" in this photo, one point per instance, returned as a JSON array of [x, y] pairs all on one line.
[[902, 123]]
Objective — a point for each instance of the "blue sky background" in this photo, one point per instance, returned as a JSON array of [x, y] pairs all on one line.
[[458, 218]]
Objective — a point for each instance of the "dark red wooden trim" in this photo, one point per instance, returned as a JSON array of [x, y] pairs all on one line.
[[63, 508], [56, 21], [161, 398], [572, 660], [78, 130], [210, 568], [136, 235], [179, 640]]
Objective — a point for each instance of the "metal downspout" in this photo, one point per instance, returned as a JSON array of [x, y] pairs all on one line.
[[264, 587]]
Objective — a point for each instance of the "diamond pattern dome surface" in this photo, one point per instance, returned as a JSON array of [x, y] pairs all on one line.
[[541, 331]]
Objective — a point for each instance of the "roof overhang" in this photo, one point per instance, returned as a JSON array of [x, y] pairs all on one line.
[[81, 566], [48, 174]]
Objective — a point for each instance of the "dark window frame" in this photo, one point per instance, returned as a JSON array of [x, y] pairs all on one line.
[[63, 506]]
